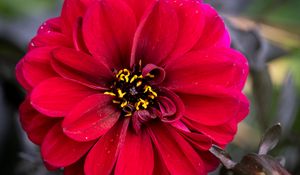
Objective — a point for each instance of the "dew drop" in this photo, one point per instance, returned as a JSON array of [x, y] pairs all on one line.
[[42, 27], [197, 11], [108, 152], [86, 138]]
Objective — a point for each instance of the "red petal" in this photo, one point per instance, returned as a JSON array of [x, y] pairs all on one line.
[[20, 76], [166, 106], [177, 154], [78, 36], [155, 35], [81, 68], [199, 141], [108, 29], [36, 65], [72, 9], [75, 169], [159, 165], [59, 150], [50, 39], [91, 118], [53, 24], [136, 157], [139, 7], [215, 33], [209, 110], [211, 162], [56, 97], [221, 134], [34, 123], [101, 159], [191, 23], [171, 106], [158, 72], [203, 72]]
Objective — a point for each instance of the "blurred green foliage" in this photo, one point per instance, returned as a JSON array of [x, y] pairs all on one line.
[[282, 13], [16, 8]]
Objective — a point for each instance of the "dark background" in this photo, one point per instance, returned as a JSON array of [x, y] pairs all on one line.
[[266, 31]]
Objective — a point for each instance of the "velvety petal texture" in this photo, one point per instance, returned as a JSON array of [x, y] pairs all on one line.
[[132, 87]]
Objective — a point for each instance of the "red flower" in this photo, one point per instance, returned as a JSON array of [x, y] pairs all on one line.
[[132, 87]]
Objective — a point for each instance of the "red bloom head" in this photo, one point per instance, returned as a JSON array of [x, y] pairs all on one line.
[[132, 87]]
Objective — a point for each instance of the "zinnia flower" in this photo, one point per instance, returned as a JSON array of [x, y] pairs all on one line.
[[132, 87]]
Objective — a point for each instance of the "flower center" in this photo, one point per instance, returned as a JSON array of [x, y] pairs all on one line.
[[132, 91]]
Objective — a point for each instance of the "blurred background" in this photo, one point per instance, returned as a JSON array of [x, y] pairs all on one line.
[[267, 32]]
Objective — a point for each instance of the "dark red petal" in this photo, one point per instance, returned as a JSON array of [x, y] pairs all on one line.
[[108, 29], [166, 106], [155, 35], [101, 159], [158, 72], [61, 151], [50, 167], [91, 118], [81, 68], [34, 123], [78, 36], [210, 110], [55, 97], [215, 33], [72, 9], [177, 154], [20, 76], [170, 105], [136, 156], [36, 65], [75, 169], [204, 72], [191, 19], [211, 162]]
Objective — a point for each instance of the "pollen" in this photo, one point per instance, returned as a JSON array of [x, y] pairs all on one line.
[[132, 91]]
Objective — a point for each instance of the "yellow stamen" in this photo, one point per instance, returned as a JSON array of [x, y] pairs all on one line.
[[116, 102], [151, 96], [110, 93], [139, 83], [124, 104], [128, 114], [150, 75], [142, 102], [148, 88], [120, 93], [119, 73], [133, 78]]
